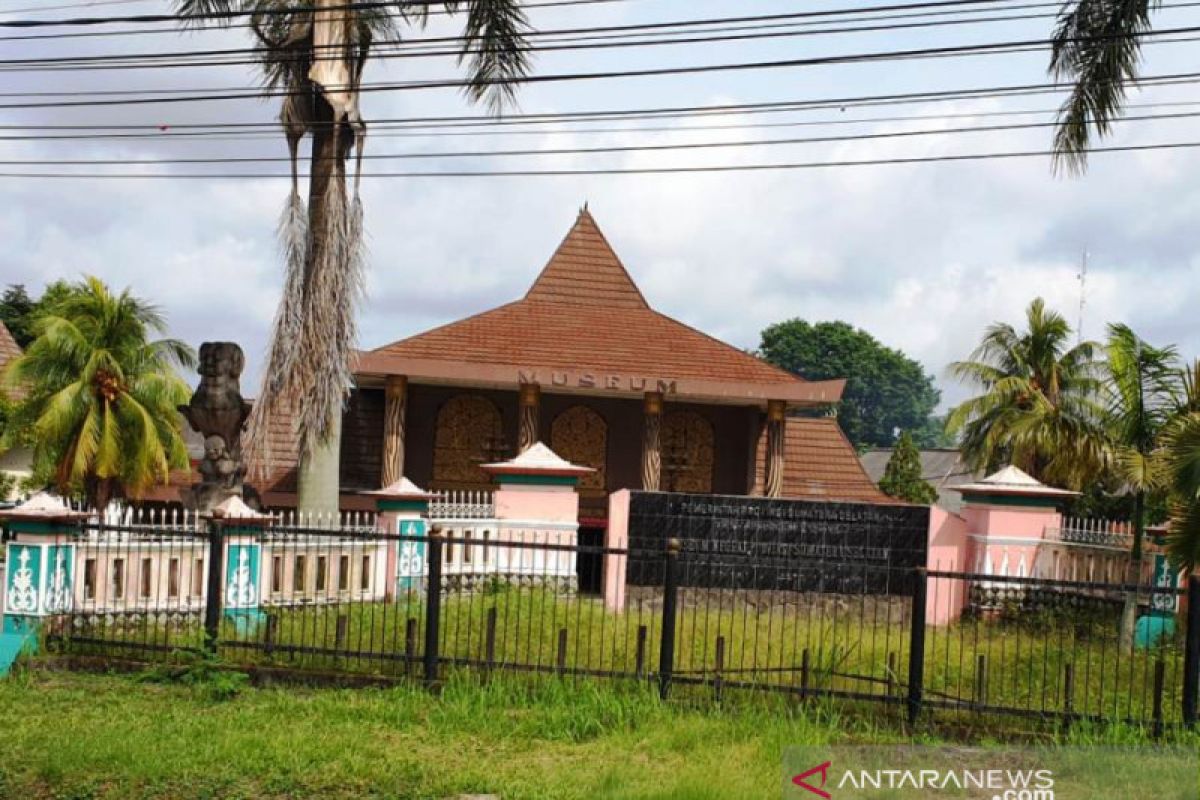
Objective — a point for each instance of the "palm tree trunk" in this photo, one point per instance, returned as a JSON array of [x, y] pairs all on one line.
[[319, 469], [100, 492], [1134, 572], [319, 474]]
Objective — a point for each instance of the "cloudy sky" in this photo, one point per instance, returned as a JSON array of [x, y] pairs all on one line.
[[923, 256]]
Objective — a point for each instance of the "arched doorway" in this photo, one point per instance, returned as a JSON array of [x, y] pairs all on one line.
[[687, 452], [580, 435], [467, 426]]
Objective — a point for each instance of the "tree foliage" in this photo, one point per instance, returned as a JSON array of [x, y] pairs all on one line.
[[1119, 422], [902, 477], [1139, 400], [885, 391], [1182, 441], [99, 397], [1039, 405], [18, 310]]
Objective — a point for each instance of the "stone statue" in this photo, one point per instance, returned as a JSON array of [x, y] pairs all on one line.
[[218, 412]]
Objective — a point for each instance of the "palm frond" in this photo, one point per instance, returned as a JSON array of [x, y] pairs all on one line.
[[1097, 45], [495, 49]]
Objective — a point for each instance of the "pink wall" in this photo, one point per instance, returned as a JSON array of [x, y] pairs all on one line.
[[949, 550], [1010, 522], [554, 503], [617, 536]]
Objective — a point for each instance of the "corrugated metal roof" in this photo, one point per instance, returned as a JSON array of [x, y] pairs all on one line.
[[944, 468]]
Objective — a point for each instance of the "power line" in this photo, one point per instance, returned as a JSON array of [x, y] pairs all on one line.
[[962, 157], [71, 5], [859, 13], [990, 48], [412, 47], [121, 63], [668, 112], [644, 148], [425, 132], [380, 6]]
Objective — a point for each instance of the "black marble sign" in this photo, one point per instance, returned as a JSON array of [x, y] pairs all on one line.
[[794, 545]]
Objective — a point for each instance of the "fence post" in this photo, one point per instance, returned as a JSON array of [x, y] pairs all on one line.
[[639, 668], [718, 680], [562, 652], [666, 649], [916, 647], [1191, 658], [489, 643], [1068, 696], [216, 574], [410, 647], [433, 604], [1160, 675], [270, 634]]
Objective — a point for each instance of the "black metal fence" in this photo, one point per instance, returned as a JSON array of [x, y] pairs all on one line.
[[334, 601]]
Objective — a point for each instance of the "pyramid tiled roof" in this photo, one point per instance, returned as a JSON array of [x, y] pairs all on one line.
[[584, 312], [9, 349]]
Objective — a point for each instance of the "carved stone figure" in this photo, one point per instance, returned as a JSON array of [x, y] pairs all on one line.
[[218, 412]]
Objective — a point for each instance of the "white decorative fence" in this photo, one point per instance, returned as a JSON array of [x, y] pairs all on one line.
[[481, 546], [1080, 549]]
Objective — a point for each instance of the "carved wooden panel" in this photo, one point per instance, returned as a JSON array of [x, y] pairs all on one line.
[[687, 452], [580, 435], [466, 424]]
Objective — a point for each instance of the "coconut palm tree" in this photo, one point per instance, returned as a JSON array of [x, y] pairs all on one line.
[[314, 53], [1183, 458], [1140, 393], [1096, 46], [99, 397], [1181, 447], [1039, 406]]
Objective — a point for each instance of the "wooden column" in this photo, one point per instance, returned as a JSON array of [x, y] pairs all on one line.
[[530, 400], [776, 412], [393, 429], [652, 442]]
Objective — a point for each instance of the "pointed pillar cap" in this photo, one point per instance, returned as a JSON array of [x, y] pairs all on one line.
[[1012, 482], [234, 509], [537, 460], [403, 489], [43, 507]]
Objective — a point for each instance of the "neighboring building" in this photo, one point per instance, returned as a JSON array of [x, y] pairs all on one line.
[[584, 364], [944, 468], [17, 461]]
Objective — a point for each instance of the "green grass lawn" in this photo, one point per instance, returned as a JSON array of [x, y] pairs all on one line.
[[69, 735]]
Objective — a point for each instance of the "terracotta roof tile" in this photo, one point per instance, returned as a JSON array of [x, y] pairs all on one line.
[[586, 271], [9, 349], [585, 312], [819, 462]]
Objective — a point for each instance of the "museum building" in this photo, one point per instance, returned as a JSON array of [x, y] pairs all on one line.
[[584, 364]]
